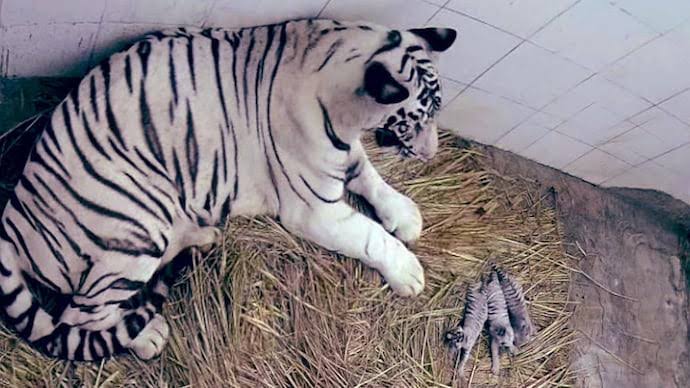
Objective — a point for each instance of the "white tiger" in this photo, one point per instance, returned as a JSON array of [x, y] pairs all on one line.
[[161, 143]]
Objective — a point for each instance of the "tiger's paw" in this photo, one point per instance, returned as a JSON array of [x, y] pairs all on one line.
[[403, 272], [400, 216], [152, 339]]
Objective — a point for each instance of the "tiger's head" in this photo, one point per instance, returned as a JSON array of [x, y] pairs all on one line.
[[402, 75]]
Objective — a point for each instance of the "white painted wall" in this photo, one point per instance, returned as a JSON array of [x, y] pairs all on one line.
[[597, 88]]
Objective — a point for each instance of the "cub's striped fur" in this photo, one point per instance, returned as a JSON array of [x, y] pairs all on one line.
[[500, 331], [517, 307], [161, 143], [465, 335]]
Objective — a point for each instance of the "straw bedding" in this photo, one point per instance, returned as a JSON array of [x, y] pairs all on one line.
[[268, 309]]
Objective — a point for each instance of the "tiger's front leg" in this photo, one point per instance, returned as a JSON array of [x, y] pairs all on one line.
[[398, 213], [338, 227]]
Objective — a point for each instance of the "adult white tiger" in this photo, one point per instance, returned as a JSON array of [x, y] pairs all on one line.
[[161, 143]]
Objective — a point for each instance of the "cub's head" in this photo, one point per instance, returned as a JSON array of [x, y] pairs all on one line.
[[401, 74]]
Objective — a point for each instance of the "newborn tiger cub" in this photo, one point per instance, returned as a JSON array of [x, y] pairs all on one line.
[[501, 333], [463, 337], [517, 307], [162, 143]]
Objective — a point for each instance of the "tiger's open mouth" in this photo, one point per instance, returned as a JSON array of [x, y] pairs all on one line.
[[387, 138]]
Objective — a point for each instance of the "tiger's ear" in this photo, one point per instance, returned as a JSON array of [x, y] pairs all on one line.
[[380, 84], [438, 39]]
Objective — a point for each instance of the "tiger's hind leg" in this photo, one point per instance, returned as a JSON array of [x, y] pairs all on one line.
[[150, 341], [110, 281]]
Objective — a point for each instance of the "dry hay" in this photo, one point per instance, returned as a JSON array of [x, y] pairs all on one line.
[[269, 309]]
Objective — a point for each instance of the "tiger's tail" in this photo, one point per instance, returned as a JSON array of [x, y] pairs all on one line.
[[22, 312]]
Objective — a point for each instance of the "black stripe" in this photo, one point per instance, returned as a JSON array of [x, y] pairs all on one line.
[[171, 69], [45, 233], [51, 133], [150, 132], [329, 54], [279, 57], [352, 57], [246, 72], [97, 339], [414, 48], [405, 58], [236, 185], [234, 43], [223, 151], [214, 178], [192, 149], [260, 75], [88, 167], [8, 299], [317, 195], [225, 209], [123, 246], [393, 40], [79, 351], [150, 165], [30, 316], [144, 50], [215, 52], [128, 73], [179, 180], [110, 117], [352, 172], [171, 111], [134, 323], [207, 202], [85, 275], [24, 182], [207, 32], [92, 96], [74, 96], [190, 60], [163, 208], [19, 207], [92, 138], [328, 127], [125, 157], [117, 347], [37, 158], [54, 158], [34, 266]]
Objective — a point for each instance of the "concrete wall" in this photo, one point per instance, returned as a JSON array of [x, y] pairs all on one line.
[[597, 88]]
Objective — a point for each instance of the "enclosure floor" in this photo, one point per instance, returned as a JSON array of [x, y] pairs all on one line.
[[630, 301], [633, 324]]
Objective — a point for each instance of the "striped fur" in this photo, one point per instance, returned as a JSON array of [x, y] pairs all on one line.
[[500, 331], [161, 143], [517, 307], [463, 337]]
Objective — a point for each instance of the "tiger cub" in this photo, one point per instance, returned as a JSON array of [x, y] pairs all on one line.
[[517, 307], [501, 334], [463, 337], [163, 142]]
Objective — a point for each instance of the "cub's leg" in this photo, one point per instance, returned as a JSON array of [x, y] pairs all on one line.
[[338, 227], [399, 215]]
